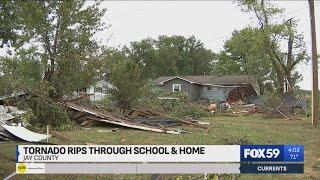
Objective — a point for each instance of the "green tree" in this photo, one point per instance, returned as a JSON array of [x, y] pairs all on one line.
[[64, 31], [125, 75], [275, 34], [21, 72], [171, 55], [244, 53], [10, 23]]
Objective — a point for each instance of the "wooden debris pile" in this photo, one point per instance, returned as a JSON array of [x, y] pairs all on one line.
[[146, 119], [240, 94]]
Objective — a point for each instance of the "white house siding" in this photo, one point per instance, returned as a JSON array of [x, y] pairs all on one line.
[[97, 96], [90, 90]]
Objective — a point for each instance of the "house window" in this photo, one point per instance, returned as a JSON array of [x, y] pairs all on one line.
[[176, 87], [210, 88]]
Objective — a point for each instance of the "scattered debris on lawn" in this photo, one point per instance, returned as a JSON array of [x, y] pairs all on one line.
[[143, 119], [114, 130], [212, 107], [238, 108], [103, 131], [246, 109]]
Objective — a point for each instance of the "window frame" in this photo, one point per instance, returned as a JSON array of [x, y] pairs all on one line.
[[173, 85]]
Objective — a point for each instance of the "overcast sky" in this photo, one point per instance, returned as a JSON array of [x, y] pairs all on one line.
[[210, 21]]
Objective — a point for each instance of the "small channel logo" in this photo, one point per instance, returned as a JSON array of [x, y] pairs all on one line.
[[21, 168], [261, 153], [253, 153]]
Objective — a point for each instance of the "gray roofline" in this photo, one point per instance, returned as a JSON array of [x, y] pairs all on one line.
[[161, 83]]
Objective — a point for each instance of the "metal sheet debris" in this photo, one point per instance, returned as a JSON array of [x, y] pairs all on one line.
[[24, 134]]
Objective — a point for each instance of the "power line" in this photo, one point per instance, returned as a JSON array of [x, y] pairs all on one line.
[[292, 12], [217, 38]]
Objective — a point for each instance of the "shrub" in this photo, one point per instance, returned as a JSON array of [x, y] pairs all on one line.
[[180, 107], [271, 100], [49, 113], [126, 77]]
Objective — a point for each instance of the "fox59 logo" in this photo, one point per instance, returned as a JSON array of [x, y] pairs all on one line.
[[261, 153]]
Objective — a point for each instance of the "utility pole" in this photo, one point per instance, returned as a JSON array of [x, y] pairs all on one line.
[[315, 90]]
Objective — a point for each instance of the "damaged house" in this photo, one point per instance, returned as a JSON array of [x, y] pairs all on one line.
[[211, 88]]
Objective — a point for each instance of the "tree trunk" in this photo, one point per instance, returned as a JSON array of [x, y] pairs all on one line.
[[261, 86]]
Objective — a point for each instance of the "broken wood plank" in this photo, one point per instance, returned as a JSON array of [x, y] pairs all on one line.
[[281, 113], [146, 128], [122, 121]]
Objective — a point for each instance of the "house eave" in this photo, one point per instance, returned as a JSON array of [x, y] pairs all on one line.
[[161, 83]]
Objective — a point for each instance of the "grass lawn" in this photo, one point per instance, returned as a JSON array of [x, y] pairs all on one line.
[[222, 130]]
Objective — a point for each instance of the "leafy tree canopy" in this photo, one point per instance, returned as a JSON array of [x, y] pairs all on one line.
[[283, 45], [63, 32], [171, 55]]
